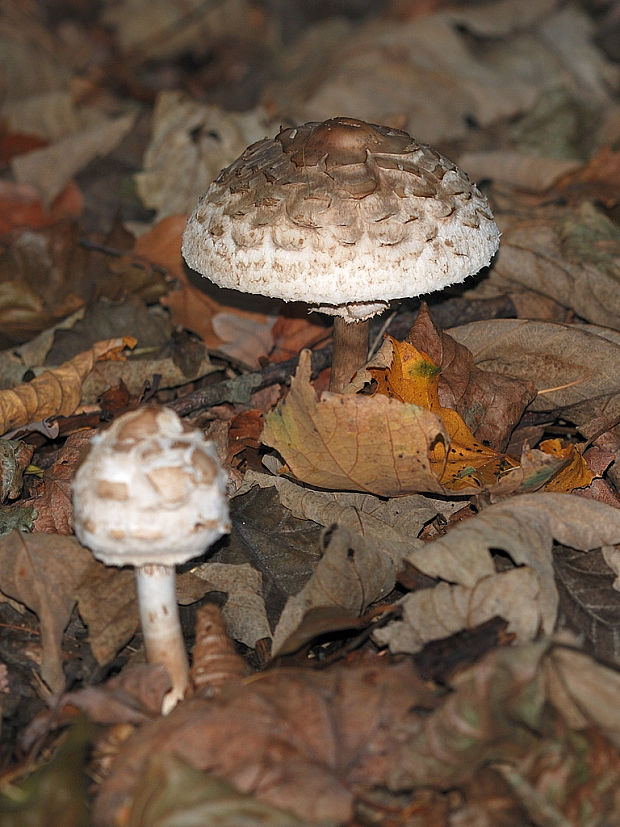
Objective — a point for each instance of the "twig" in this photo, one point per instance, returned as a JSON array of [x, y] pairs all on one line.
[[241, 388]]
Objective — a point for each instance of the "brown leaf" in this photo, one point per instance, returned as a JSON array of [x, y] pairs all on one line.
[[433, 614], [524, 527], [570, 255], [291, 333], [354, 443], [14, 458], [490, 403], [21, 205], [296, 739], [53, 500], [598, 180], [134, 696], [55, 392], [589, 600], [350, 576], [244, 611], [42, 571], [414, 378], [46, 573]]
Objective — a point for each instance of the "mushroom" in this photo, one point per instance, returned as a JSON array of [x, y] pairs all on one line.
[[150, 493], [346, 216]]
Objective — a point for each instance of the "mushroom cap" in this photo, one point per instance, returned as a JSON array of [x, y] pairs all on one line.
[[149, 490], [340, 213]]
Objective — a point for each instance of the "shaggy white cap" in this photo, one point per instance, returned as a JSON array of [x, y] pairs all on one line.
[[340, 213], [150, 490]]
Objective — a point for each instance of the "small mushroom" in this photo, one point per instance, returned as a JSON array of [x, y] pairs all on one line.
[[346, 216], [150, 493]]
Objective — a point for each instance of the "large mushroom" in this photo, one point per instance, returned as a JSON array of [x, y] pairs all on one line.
[[150, 493], [346, 216]]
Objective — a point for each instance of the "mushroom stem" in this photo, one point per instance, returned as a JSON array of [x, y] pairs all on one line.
[[350, 351], [161, 627]]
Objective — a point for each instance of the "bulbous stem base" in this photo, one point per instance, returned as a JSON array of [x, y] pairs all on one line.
[[161, 627]]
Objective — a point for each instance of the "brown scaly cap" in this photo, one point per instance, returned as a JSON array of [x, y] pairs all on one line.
[[342, 214]]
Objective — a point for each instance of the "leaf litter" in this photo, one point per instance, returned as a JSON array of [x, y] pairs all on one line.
[[468, 477]]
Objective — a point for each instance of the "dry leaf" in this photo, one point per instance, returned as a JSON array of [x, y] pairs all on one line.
[[589, 598], [55, 392], [391, 526], [575, 474], [490, 403], [53, 499], [354, 443], [14, 458], [45, 573], [585, 692], [570, 255], [297, 739], [414, 378], [524, 527], [436, 613], [598, 180], [350, 576], [244, 611], [190, 144], [49, 169], [533, 173]]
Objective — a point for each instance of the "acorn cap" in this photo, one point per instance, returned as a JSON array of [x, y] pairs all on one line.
[[342, 214], [149, 490]]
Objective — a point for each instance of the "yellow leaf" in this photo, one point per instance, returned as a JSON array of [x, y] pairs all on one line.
[[414, 378], [55, 392], [575, 474]]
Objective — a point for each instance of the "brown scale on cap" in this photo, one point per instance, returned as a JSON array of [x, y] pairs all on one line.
[[344, 215]]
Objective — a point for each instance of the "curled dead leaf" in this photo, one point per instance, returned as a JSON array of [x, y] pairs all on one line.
[[55, 392]]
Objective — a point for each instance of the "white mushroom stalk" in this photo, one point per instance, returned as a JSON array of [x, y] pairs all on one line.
[[346, 216], [151, 493]]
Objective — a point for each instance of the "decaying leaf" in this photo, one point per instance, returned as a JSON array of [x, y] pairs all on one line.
[[524, 527], [50, 168], [414, 378], [349, 577], [55, 392], [390, 525], [432, 614], [349, 442], [14, 458], [589, 597], [296, 739], [244, 611], [491, 403], [45, 572], [172, 792], [53, 499], [512, 710], [575, 474], [569, 255]]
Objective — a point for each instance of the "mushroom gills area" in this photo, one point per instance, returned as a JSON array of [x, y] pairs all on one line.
[[161, 627]]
